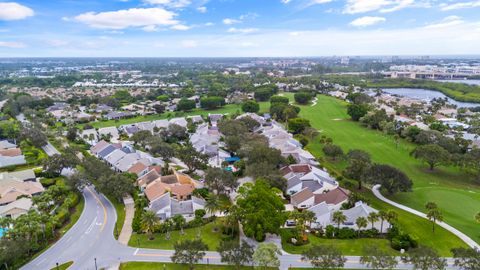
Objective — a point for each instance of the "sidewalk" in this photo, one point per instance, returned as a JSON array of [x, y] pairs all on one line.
[[126, 232], [469, 241]]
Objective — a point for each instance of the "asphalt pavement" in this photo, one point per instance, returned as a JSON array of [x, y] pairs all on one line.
[[90, 244]]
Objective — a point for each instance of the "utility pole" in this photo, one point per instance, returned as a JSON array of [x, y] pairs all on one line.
[[57, 265], [95, 263]]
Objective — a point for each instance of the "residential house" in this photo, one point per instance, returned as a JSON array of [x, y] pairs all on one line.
[[301, 176], [11, 156], [109, 132], [16, 208]]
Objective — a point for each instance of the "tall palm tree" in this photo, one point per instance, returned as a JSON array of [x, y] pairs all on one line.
[[392, 217], [383, 216], [339, 218], [431, 205], [149, 222], [434, 215], [361, 223], [372, 217]]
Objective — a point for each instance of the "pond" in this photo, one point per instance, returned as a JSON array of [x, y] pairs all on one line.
[[427, 95]]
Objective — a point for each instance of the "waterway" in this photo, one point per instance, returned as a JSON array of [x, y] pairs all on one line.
[[427, 95]]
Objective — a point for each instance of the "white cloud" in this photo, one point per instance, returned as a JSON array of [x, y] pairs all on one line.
[[180, 27], [362, 6], [202, 9], [150, 28], [229, 21], [447, 22], [285, 1], [11, 11], [209, 24], [13, 45], [169, 3], [461, 5], [242, 30], [134, 17], [367, 21]]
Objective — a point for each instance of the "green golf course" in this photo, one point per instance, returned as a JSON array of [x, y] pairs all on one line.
[[455, 192]]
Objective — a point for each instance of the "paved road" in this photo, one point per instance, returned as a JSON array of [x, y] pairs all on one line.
[[92, 237], [469, 241], [50, 150]]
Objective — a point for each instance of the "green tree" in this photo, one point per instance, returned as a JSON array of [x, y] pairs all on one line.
[[425, 258], [298, 125], [189, 252], [433, 214], [186, 105], [338, 217], [233, 253], [261, 210], [303, 97], [391, 179], [357, 111], [116, 185], [266, 255], [279, 99], [377, 258], [250, 106], [382, 215], [324, 257], [218, 180], [149, 223], [361, 222], [467, 258], [193, 159], [432, 154], [359, 162], [213, 102], [372, 218], [333, 151]]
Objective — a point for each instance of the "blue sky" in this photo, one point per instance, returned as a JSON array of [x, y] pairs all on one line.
[[206, 28]]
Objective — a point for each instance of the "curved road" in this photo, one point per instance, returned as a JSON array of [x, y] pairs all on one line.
[[469, 241], [92, 238]]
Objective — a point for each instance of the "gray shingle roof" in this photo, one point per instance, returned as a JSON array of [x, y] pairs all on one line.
[[182, 207]]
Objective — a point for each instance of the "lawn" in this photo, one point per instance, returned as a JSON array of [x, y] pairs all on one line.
[[227, 109], [171, 266], [347, 246], [120, 209], [64, 266], [210, 237], [457, 195]]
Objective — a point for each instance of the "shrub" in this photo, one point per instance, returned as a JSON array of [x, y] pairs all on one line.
[[329, 231], [46, 182], [346, 233]]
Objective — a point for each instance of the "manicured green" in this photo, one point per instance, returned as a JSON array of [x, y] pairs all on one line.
[[456, 193], [227, 109], [120, 209], [347, 246], [64, 266], [171, 266], [209, 236]]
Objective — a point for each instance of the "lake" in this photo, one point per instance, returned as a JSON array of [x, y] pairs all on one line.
[[427, 95]]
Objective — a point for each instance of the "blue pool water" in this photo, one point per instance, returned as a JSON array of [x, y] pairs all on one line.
[[1, 232]]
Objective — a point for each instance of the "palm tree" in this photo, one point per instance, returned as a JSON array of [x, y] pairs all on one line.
[[392, 217], [383, 216], [212, 204], [434, 215], [149, 222], [361, 223], [339, 218], [224, 203], [372, 217], [431, 205]]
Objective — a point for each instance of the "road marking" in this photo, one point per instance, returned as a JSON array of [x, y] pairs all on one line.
[[89, 229], [168, 255], [136, 251], [104, 209]]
